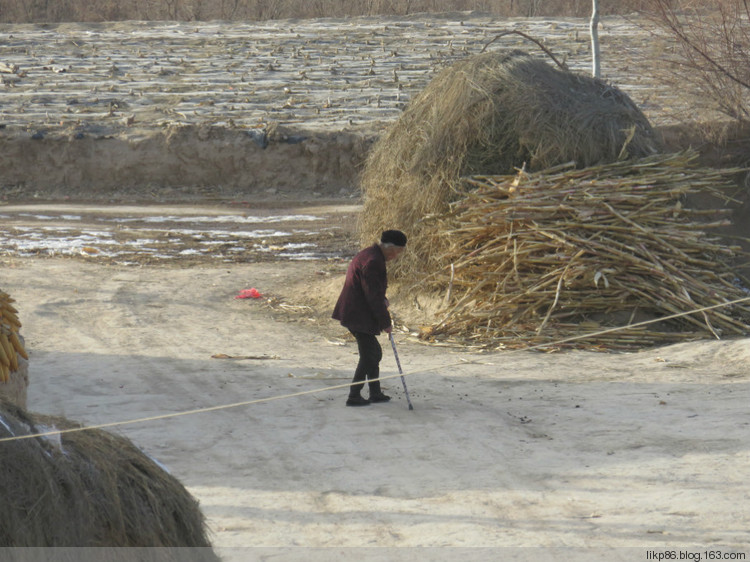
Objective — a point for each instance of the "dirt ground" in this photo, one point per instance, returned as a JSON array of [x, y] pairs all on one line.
[[127, 294], [603, 455]]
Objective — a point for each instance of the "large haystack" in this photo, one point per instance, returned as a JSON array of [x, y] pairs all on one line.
[[489, 114], [91, 489]]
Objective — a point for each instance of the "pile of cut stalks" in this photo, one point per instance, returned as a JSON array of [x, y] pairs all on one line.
[[607, 257]]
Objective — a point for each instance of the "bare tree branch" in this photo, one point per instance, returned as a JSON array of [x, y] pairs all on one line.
[[549, 53], [714, 50]]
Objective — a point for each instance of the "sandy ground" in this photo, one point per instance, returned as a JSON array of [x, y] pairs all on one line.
[[610, 454]]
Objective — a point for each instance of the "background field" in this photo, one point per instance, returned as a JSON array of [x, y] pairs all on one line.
[[284, 105]]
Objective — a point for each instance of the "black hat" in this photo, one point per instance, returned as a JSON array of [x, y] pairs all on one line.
[[395, 237]]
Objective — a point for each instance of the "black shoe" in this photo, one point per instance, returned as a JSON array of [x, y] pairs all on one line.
[[357, 401], [379, 397]]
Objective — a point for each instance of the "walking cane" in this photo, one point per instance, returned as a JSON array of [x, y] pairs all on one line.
[[403, 380]]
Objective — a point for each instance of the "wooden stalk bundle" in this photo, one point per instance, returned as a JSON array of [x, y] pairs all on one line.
[[537, 258]]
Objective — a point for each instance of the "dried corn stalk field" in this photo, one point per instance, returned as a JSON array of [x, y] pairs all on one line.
[[330, 74]]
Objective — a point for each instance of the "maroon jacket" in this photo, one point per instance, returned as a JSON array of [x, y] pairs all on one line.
[[362, 306]]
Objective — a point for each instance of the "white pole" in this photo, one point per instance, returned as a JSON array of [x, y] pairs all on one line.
[[594, 28]]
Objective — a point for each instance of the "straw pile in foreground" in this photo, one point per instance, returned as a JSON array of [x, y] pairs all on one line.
[[11, 347], [14, 364], [538, 258], [490, 114], [91, 489]]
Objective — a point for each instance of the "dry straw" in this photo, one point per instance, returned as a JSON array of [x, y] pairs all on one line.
[[490, 114], [592, 232], [91, 489], [535, 258], [11, 346]]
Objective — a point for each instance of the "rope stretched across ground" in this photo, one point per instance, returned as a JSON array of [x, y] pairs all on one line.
[[340, 386]]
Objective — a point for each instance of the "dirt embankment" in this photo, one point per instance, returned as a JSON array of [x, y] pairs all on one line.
[[214, 163], [184, 162]]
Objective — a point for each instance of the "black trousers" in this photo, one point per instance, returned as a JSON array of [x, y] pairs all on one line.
[[368, 367]]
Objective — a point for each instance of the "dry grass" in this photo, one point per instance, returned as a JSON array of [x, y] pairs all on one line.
[[22, 11], [11, 347], [89, 489], [487, 115]]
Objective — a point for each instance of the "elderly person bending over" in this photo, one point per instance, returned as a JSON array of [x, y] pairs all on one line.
[[362, 307]]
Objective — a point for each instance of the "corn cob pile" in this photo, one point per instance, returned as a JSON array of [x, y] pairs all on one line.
[[541, 257], [10, 346]]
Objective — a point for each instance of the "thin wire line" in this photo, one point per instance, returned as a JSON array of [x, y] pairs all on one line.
[[340, 386], [636, 325]]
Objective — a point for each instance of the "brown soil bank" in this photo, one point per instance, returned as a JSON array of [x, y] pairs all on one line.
[[198, 160]]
